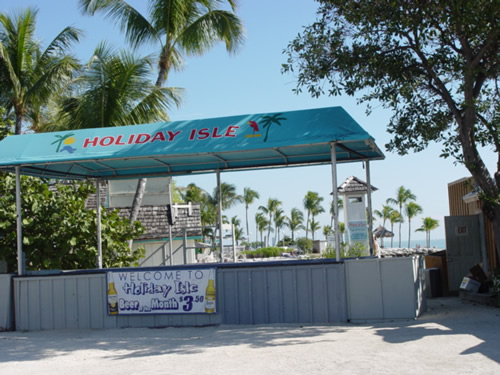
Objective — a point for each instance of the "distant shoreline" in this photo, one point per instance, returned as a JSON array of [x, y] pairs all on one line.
[[437, 243]]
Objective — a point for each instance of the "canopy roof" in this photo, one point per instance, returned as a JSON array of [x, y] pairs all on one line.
[[262, 140]]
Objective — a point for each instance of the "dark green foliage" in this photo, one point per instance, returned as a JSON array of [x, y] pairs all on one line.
[[265, 252], [58, 232], [305, 244], [434, 64]]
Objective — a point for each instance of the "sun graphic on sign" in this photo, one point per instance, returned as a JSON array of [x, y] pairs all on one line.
[[66, 140]]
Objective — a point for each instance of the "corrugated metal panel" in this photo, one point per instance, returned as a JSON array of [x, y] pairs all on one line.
[[389, 288], [78, 301], [257, 294], [283, 294], [6, 303]]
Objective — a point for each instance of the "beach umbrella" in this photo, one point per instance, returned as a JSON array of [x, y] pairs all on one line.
[[381, 232]]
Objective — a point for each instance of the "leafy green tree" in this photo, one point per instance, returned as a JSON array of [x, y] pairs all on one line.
[[295, 221], [6, 124], [30, 75], [249, 197], [412, 209], [304, 244], [272, 205], [191, 27], [114, 89], [435, 64], [58, 232], [402, 197], [428, 224]]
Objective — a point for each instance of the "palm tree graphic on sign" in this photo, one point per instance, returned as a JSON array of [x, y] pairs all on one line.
[[68, 139], [267, 121]]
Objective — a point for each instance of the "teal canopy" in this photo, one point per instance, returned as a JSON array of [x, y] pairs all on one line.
[[262, 140]]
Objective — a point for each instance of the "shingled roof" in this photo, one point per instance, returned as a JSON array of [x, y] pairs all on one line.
[[154, 218], [354, 185]]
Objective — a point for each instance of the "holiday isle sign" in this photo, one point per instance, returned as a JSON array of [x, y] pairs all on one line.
[[258, 130]]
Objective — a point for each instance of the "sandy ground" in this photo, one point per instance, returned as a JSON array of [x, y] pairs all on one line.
[[452, 337]]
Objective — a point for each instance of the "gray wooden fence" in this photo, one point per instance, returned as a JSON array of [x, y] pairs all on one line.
[[260, 293]]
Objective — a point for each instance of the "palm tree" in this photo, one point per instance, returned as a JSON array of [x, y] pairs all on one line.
[[428, 224], [342, 230], [280, 221], [272, 205], [30, 76], [395, 217], [385, 215], [237, 230], [189, 26], [194, 194], [295, 221], [114, 90], [412, 209], [249, 196], [314, 226], [327, 230], [267, 121], [229, 197], [317, 209], [312, 205], [261, 224], [402, 196], [340, 204]]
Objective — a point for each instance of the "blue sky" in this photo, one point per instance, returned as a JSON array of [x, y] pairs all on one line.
[[218, 84]]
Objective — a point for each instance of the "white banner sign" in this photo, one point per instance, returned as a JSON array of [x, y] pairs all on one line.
[[161, 291]]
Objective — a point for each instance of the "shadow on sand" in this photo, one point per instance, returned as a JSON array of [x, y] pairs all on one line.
[[445, 318]]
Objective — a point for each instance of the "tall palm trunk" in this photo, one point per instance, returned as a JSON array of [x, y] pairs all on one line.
[[164, 66]]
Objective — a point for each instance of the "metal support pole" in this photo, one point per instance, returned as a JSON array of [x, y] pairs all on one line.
[[370, 209], [19, 221], [99, 229], [185, 246], [219, 193], [233, 236], [335, 201], [170, 239]]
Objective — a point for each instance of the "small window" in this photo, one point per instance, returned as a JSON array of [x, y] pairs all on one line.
[[121, 192], [355, 200]]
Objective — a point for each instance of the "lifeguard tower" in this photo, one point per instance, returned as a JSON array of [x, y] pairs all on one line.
[[353, 192]]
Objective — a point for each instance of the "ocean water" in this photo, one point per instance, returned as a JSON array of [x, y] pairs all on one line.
[[437, 243]]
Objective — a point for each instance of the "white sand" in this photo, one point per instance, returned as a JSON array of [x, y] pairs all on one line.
[[452, 337]]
